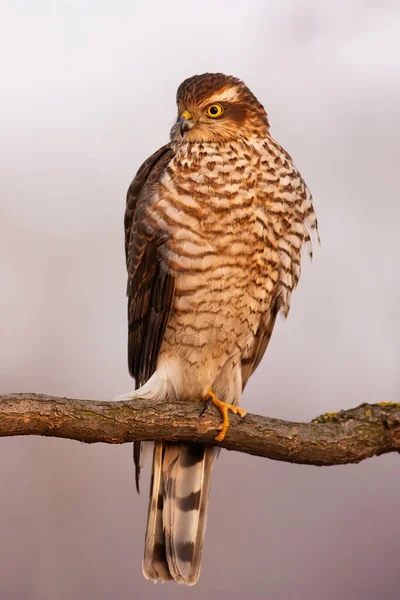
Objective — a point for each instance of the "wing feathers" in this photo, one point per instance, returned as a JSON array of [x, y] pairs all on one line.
[[150, 290], [252, 359]]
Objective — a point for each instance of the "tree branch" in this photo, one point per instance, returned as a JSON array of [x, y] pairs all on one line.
[[332, 439]]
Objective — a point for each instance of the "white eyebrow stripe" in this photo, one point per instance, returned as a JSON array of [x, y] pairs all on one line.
[[229, 95]]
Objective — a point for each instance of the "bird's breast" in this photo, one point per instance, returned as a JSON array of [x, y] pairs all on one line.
[[204, 209]]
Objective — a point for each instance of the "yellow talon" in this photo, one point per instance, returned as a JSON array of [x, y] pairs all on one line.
[[224, 409]]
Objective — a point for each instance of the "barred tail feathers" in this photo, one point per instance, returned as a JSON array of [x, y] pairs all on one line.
[[155, 563], [178, 511]]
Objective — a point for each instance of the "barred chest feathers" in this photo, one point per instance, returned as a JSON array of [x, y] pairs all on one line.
[[232, 218]]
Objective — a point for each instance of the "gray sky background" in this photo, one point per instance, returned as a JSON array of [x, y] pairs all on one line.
[[88, 92]]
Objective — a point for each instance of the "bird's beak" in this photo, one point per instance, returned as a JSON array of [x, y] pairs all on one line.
[[185, 122]]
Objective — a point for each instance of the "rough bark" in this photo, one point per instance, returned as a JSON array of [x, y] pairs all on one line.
[[348, 436]]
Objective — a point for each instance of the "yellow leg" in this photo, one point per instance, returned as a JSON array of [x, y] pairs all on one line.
[[224, 409]]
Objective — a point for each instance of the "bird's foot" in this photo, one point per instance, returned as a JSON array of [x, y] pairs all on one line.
[[224, 409]]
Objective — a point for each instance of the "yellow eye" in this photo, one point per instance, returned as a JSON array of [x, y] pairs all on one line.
[[214, 111]]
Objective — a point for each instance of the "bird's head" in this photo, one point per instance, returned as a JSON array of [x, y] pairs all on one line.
[[214, 107]]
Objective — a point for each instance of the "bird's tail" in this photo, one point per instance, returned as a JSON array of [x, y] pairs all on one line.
[[177, 515]]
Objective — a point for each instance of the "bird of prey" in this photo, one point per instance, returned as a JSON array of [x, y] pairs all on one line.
[[215, 221]]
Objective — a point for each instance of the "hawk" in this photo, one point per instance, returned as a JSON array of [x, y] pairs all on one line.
[[215, 221]]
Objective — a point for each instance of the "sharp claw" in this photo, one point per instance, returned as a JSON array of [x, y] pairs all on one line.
[[207, 404]]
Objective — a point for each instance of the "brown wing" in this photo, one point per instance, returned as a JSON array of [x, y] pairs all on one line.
[[150, 289], [252, 359]]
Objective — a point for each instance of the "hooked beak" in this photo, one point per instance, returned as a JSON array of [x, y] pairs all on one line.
[[184, 126], [185, 122]]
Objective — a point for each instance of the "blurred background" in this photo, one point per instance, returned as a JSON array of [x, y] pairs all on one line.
[[88, 92]]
